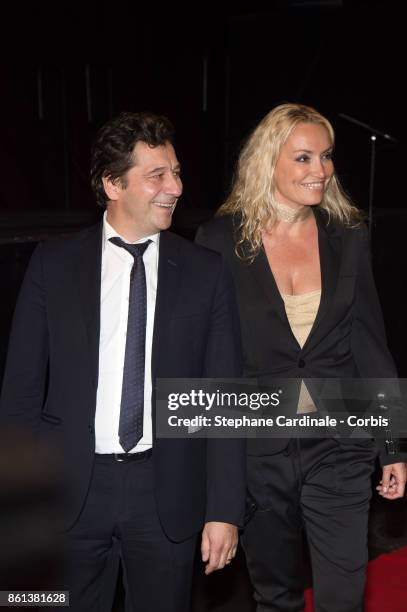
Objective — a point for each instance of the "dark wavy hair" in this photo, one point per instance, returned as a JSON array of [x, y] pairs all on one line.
[[112, 151]]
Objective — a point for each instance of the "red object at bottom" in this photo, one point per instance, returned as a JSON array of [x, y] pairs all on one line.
[[386, 587]]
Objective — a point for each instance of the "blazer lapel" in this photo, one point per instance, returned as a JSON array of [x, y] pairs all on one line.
[[169, 267], [330, 252], [261, 271], [87, 272], [329, 243]]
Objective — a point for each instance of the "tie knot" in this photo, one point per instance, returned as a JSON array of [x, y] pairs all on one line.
[[137, 250]]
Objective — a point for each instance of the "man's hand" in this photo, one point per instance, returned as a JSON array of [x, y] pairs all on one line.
[[393, 481], [219, 545]]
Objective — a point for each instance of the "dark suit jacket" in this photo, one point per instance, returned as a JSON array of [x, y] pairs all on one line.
[[347, 339], [51, 374]]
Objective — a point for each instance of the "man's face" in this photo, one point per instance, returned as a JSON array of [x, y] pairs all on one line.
[[145, 198]]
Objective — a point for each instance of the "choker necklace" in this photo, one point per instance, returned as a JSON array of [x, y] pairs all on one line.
[[290, 215]]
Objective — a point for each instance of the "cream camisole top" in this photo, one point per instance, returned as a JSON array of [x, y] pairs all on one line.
[[301, 312]]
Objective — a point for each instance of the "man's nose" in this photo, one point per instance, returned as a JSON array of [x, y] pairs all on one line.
[[173, 185]]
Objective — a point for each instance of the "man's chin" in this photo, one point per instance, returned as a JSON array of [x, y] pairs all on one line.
[[165, 221], [165, 226]]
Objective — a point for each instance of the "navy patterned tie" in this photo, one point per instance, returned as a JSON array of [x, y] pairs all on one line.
[[132, 403]]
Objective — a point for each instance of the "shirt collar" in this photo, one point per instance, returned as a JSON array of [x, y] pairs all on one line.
[[110, 232]]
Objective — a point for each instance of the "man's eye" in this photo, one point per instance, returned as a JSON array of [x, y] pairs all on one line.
[[156, 176]]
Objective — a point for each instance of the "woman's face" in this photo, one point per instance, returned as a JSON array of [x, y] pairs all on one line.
[[304, 166]]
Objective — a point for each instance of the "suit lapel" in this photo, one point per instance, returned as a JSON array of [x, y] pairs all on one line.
[[87, 272], [169, 267], [264, 276], [329, 243], [330, 251]]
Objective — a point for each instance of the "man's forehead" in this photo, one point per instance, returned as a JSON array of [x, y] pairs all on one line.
[[161, 155]]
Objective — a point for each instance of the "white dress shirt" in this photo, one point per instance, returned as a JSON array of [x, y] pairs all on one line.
[[114, 305]]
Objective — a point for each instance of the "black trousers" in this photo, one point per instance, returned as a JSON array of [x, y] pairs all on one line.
[[325, 487], [120, 506]]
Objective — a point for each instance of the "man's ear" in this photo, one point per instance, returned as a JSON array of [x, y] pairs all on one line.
[[112, 188]]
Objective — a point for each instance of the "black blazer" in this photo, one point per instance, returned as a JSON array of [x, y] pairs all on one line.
[[51, 373], [347, 339]]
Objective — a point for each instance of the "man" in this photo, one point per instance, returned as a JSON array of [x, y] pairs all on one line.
[[100, 316]]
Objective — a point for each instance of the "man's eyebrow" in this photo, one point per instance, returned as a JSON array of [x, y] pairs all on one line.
[[163, 169]]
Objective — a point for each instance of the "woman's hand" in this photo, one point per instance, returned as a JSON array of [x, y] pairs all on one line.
[[393, 481]]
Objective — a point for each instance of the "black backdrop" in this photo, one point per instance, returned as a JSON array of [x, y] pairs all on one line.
[[215, 71]]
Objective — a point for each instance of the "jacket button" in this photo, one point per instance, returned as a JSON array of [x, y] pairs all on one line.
[[301, 363], [90, 427]]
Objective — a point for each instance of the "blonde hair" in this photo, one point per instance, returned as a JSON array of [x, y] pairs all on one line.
[[251, 197]]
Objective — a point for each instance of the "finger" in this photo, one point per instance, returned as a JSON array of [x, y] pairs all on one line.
[[392, 496], [397, 482], [386, 479], [401, 489], [210, 568], [213, 562], [395, 492], [224, 559], [205, 548], [398, 490]]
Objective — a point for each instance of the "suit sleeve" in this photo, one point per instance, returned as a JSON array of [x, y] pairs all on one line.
[[25, 375], [369, 342], [226, 458]]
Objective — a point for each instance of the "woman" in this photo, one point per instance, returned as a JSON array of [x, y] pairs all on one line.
[[298, 252]]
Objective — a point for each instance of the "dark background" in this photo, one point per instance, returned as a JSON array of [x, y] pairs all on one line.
[[215, 71]]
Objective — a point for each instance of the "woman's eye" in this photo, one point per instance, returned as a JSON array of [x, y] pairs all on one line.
[[302, 158], [328, 156]]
